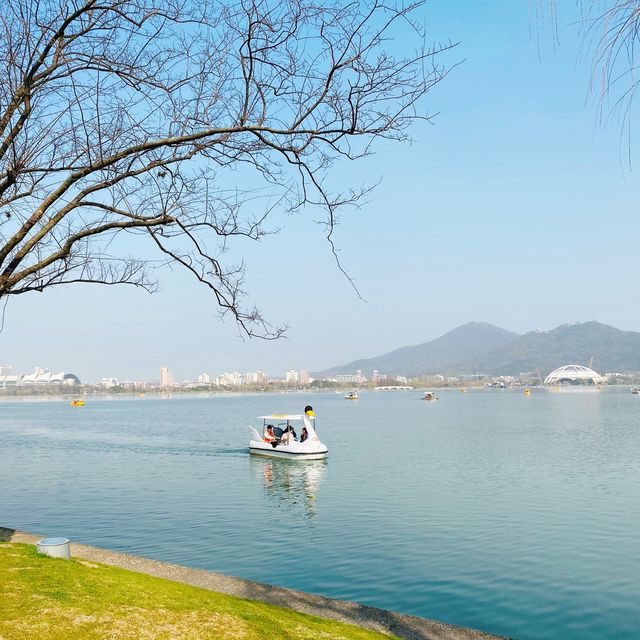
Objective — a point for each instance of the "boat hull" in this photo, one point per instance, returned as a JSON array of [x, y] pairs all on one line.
[[274, 453], [296, 451]]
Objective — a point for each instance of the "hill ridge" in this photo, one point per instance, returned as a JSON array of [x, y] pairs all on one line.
[[443, 352], [480, 347]]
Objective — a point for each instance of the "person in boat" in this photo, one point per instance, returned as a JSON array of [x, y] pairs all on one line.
[[289, 436], [269, 436], [304, 434], [309, 411]]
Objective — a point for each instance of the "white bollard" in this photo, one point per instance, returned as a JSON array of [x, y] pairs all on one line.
[[54, 547]]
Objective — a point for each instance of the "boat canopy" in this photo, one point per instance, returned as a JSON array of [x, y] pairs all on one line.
[[282, 416]]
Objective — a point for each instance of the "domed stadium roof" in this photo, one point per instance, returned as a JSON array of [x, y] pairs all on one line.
[[574, 374]]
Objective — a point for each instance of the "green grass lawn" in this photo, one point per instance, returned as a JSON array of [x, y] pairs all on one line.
[[44, 598]]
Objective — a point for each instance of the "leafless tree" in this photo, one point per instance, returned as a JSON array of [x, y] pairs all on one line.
[[610, 32], [181, 124], [612, 35]]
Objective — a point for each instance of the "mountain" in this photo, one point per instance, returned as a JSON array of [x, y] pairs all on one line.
[[608, 348], [483, 348], [444, 354]]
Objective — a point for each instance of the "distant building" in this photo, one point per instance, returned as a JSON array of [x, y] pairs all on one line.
[[304, 377], [204, 378], [352, 378], [234, 379], [256, 377], [5, 369], [165, 377], [9, 381], [574, 374], [292, 377], [40, 377], [109, 382]]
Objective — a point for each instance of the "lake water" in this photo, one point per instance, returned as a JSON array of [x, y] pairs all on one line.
[[515, 515]]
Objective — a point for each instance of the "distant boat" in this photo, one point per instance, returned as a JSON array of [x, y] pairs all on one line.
[[77, 403], [635, 391], [527, 392], [352, 396], [429, 396]]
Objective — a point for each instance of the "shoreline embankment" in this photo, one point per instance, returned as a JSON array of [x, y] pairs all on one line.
[[373, 618]]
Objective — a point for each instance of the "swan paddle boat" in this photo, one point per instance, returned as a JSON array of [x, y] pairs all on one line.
[[77, 403], [429, 396], [282, 434], [353, 395]]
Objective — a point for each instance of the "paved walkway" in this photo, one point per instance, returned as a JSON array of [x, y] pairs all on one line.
[[381, 620]]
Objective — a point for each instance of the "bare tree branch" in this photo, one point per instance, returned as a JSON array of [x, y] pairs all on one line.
[[142, 126], [610, 31]]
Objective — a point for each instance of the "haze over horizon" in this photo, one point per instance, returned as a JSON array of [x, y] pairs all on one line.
[[192, 375], [513, 210]]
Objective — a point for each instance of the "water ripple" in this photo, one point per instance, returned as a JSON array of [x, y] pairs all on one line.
[[486, 510]]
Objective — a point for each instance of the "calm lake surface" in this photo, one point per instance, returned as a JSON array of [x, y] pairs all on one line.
[[515, 515]]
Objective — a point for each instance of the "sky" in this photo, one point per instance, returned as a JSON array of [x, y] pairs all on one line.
[[517, 207]]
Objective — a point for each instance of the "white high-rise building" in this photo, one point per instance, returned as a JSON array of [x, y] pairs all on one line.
[[304, 377], [255, 377], [234, 379], [165, 377], [292, 376], [204, 378]]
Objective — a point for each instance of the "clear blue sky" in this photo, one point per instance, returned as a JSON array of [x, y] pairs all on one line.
[[515, 209]]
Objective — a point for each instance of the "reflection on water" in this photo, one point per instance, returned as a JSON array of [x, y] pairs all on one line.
[[290, 484]]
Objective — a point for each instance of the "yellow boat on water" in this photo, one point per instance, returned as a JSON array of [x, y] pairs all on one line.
[[527, 392], [77, 403]]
